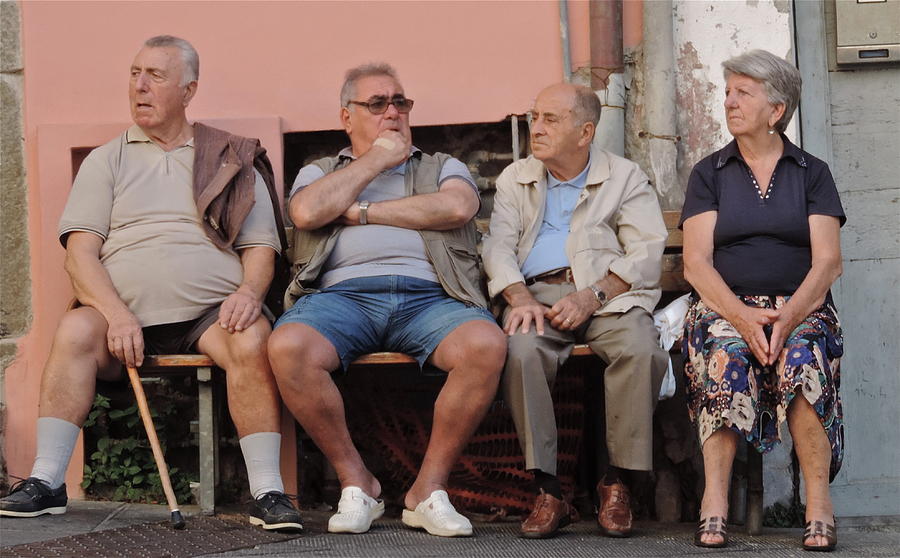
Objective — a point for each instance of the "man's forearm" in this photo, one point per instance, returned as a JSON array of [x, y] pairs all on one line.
[[329, 197], [258, 264], [612, 285], [444, 210], [90, 281]]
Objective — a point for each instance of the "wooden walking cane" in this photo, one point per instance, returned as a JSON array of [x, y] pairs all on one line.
[[177, 519]]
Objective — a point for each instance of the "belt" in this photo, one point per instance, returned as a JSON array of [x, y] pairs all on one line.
[[554, 277]]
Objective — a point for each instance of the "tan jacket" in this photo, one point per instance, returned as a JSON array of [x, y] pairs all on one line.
[[617, 226]]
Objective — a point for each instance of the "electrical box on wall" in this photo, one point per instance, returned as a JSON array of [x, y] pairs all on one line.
[[868, 31]]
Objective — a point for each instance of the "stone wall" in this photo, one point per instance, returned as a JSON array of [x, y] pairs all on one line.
[[15, 291]]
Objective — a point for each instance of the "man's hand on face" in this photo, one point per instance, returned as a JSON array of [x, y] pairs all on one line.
[[389, 149], [239, 311], [124, 338], [572, 310]]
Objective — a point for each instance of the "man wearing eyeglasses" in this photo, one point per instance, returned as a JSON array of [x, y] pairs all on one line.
[[575, 251], [386, 261]]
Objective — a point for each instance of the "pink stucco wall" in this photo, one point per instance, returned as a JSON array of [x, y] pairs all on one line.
[[266, 68]]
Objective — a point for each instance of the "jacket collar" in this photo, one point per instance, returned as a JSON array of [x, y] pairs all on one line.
[[533, 170], [731, 151]]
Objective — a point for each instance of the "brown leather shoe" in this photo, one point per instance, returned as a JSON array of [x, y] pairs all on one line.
[[615, 510], [548, 516]]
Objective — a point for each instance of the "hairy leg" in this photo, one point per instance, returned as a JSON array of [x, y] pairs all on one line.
[[302, 360], [473, 355], [252, 394], [77, 358]]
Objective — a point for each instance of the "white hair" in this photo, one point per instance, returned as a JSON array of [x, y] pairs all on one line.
[[188, 55], [781, 78]]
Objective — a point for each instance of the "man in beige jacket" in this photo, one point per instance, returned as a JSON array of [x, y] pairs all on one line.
[[575, 250]]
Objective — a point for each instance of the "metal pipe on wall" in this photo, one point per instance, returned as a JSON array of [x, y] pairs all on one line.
[[564, 39], [607, 79], [659, 101]]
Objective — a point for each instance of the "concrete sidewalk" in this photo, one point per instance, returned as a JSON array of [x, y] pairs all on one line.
[[389, 538]]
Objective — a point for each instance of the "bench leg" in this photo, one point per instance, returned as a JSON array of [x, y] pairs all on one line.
[[208, 445], [754, 491]]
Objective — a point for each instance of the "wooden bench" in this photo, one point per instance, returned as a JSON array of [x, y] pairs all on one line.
[[672, 282]]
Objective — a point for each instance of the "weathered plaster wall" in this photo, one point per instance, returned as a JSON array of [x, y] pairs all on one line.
[[15, 299], [706, 34], [865, 112]]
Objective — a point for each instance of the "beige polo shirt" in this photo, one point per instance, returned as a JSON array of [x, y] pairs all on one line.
[[139, 199]]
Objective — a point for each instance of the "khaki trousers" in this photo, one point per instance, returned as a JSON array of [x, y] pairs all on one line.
[[636, 365]]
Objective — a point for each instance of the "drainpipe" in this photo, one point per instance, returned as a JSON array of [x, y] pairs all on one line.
[[607, 79], [564, 39], [659, 102]]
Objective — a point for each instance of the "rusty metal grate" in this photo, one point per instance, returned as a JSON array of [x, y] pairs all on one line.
[[203, 535]]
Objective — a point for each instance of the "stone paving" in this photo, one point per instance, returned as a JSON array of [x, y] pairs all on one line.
[[389, 538]]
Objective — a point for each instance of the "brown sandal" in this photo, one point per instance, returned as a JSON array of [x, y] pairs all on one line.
[[714, 525], [819, 528]]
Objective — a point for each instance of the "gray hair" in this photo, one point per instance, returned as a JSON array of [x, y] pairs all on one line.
[[188, 55], [781, 78], [587, 106], [348, 90]]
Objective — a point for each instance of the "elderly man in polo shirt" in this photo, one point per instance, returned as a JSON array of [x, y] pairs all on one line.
[[574, 250], [150, 275], [386, 261]]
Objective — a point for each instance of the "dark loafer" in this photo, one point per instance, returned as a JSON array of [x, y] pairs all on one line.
[[714, 525], [548, 516], [615, 510], [820, 528]]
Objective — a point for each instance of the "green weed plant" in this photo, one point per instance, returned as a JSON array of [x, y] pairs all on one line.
[[122, 468]]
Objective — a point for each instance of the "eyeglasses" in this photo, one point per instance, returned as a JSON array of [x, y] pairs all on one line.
[[379, 104]]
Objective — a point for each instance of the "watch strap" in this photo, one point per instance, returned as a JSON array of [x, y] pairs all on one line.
[[363, 212]]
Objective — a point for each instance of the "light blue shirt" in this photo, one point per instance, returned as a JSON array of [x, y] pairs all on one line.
[[549, 251]]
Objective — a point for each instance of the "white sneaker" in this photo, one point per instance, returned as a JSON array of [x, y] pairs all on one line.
[[356, 512], [438, 516]]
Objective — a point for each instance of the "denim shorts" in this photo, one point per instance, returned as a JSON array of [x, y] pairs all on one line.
[[383, 313]]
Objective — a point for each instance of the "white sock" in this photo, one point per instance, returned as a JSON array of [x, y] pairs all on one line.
[[55, 442], [262, 454]]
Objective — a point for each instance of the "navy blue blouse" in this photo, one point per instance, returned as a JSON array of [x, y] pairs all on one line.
[[761, 243]]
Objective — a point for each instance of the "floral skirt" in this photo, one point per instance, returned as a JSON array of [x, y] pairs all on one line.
[[728, 387]]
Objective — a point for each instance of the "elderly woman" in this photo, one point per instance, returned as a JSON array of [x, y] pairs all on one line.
[[762, 340]]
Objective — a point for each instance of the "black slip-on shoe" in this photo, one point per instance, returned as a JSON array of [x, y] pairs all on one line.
[[32, 497], [274, 510]]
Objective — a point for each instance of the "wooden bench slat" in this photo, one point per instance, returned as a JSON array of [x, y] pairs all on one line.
[[384, 358], [176, 361]]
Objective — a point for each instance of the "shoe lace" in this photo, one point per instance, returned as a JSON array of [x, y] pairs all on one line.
[[21, 485], [279, 499]]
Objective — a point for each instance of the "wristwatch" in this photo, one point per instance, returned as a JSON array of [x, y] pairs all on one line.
[[363, 212], [598, 294]]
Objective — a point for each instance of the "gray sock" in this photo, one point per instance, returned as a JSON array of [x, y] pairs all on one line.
[[262, 454], [56, 440]]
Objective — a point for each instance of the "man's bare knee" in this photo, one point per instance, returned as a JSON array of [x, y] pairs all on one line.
[[476, 346], [81, 332], [248, 347], [296, 348]]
